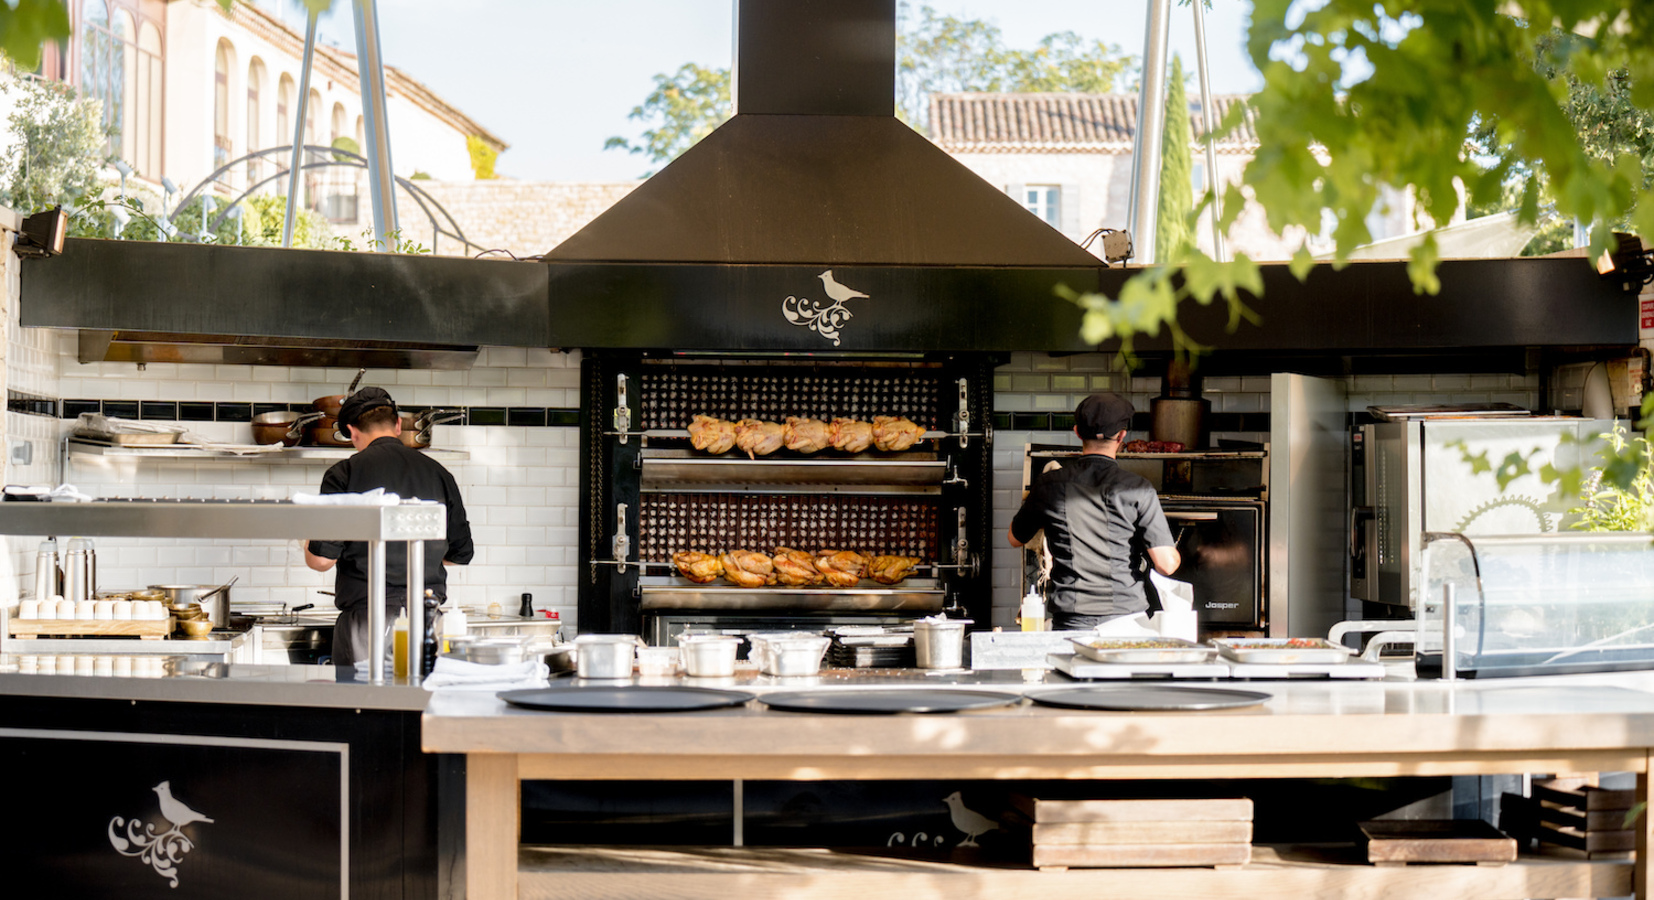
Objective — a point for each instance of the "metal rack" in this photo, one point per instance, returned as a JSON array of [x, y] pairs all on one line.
[[81, 447], [412, 521]]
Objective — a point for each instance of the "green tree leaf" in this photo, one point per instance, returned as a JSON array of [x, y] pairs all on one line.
[[1171, 226], [26, 25]]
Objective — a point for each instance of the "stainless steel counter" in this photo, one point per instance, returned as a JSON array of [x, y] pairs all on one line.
[[183, 679]]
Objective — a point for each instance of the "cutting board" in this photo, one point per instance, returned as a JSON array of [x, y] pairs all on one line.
[[1399, 841]]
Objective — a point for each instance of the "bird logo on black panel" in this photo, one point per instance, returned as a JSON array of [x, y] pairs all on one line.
[[823, 319], [968, 820], [162, 850]]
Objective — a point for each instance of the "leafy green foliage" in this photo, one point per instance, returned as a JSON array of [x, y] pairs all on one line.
[[482, 157], [683, 108], [1172, 228], [58, 147], [1619, 494], [26, 25], [396, 241]]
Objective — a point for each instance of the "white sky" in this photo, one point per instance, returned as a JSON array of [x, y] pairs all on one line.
[[555, 78]]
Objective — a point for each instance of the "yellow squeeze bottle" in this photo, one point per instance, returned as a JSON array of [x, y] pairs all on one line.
[[399, 646]]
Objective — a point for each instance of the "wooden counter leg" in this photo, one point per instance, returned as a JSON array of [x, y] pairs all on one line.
[[1640, 879], [492, 826]]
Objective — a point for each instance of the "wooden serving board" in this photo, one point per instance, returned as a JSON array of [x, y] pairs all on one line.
[[1397, 841], [1215, 809], [1133, 856], [1588, 798], [1114, 833], [146, 629]]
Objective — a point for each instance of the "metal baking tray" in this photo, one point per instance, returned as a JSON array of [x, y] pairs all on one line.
[[1142, 651], [671, 592], [1281, 651], [145, 439]]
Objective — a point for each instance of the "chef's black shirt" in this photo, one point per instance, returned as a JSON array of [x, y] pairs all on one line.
[[1099, 522], [409, 474]]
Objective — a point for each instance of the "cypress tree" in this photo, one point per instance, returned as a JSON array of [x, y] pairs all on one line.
[[1171, 227]]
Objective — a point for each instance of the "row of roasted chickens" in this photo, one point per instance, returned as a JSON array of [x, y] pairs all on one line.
[[747, 568], [756, 437]]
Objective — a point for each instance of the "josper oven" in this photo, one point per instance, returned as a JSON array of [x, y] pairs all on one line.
[[646, 494], [1217, 518]]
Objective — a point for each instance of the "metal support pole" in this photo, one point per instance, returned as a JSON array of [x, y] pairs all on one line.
[[1151, 124], [370, 66], [416, 611], [376, 612], [1209, 113], [298, 128]]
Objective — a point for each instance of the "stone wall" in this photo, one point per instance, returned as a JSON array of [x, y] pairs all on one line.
[[524, 217]]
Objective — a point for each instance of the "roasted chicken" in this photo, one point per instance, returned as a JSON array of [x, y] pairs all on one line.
[[701, 568], [808, 435], [711, 435], [891, 569], [756, 437], [795, 567], [895, 433], [744, 568], [851, 436], [841, 568]]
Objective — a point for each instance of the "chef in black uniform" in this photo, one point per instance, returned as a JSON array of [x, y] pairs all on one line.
[[374, 424], [1103, 525]]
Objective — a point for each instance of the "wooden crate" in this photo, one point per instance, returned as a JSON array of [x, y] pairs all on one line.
[[1585, 820], [1133, 833], [1402, 841], [144, 629]]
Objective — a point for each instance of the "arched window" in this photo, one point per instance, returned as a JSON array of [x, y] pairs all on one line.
[[147, 120], [338, 122], [255, 115], [221, 106], [312, 182], [102, 66], [125, 82], [361, 137]]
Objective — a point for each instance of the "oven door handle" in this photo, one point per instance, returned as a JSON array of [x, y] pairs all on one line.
[[1191, 516]]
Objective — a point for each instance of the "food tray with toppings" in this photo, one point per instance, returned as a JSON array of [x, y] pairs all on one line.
[[1139, 651], [1281, 651]]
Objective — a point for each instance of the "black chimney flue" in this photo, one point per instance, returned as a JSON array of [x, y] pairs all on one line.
[[815, 57]]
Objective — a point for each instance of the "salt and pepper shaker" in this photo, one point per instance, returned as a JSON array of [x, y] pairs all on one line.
[[428, 658], [527, 609]]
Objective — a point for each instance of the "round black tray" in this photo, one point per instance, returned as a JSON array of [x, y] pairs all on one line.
[[1147, 698], [894, 700], [624, 699]]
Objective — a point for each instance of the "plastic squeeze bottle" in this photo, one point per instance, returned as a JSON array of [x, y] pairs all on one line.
[[1033, 611]]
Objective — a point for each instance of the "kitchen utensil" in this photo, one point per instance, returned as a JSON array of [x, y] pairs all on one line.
[[490, 651], [1142, 651], [196, 629], [283, 427], [1179, 414], [1281, 651], [217, 602], [627, 699], [923, 700], [560, 658], [709, 655], [939, 643], [1147, 698], [325, 432], [47, 577], [605, 655], [417, 430], [214, 599], [331, 403], [789, 653], [78, 579]]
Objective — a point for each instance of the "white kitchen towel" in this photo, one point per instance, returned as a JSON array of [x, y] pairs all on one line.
[[457, 674], [375, 497]]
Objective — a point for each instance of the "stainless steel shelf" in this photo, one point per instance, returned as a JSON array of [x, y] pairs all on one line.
[[860, 475], [913, 595], [423, 521], [207, 454]]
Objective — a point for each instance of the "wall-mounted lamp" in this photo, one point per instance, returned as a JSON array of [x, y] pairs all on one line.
[[42, 234], [124, 170], [121, 217], [1627, 263]]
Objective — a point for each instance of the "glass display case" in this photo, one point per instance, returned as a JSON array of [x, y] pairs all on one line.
[[1535, 604]]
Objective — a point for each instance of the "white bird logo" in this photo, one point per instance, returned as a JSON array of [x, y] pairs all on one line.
[[837, 291], [175, 812], [971, 822]]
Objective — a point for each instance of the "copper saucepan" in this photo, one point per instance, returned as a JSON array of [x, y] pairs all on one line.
[[325, 432], [281, 427], [330, 404], [416, 430]]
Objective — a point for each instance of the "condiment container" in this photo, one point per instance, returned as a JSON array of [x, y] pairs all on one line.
[[65, 609], [103, 609], [604, 655], [29, 609], [657, 661], [939, 643], [85, 609], [121, 610], [708, 655], [787, 653]]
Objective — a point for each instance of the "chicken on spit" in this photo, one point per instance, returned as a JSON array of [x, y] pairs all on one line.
[[712, 435], [891, 569], [744, 568], [895, 434], [841, 568], [851, 436], [756, 437], [701, 568], [808, 435], [795, 567]]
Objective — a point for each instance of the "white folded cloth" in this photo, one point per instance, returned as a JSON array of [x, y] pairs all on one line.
[[459, 675], [375, 497]]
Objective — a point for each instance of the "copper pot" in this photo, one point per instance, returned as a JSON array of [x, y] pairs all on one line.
[[330, 404], [416, 430], [282, 427], [326, 433]]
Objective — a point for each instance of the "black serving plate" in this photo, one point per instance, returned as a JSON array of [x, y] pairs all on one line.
[[624, 699], [1147, 698], [895, 700]]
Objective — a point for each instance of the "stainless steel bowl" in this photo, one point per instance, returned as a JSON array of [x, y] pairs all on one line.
[[708, 655], [789, 654], [489, 652]]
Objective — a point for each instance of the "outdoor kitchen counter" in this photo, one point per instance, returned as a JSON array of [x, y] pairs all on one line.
[[1308, 729]]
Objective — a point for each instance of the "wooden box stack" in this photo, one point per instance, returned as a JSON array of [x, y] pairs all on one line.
[[1136, 833], [1585, 818]]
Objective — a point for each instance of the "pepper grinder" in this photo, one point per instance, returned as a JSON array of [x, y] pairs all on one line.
[[428, 658], [527, 609]]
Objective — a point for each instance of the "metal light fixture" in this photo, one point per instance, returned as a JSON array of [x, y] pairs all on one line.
[[121, 218], [42, 234], [1627, 263], [208, 204], [124, 170]]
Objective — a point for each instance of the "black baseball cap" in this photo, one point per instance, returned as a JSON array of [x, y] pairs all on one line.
[[1102, 416], [351, 411]]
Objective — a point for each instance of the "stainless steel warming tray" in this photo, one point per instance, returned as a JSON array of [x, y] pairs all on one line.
[[669, 470], [667, 592]]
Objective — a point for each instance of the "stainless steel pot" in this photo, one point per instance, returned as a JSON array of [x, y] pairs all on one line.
[[217, 605], [708, 655], [281, 427], [604, 655], [939, 644], [788, 653]]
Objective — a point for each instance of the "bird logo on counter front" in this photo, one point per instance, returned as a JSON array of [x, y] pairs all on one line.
[[839, 292], [163, 850], [823, 319], [968, 820]]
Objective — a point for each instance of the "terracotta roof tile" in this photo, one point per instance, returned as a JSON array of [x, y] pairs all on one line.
[[1061, 123]]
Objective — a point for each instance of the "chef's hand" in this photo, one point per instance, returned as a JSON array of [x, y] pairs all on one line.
[[1165, 559]]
